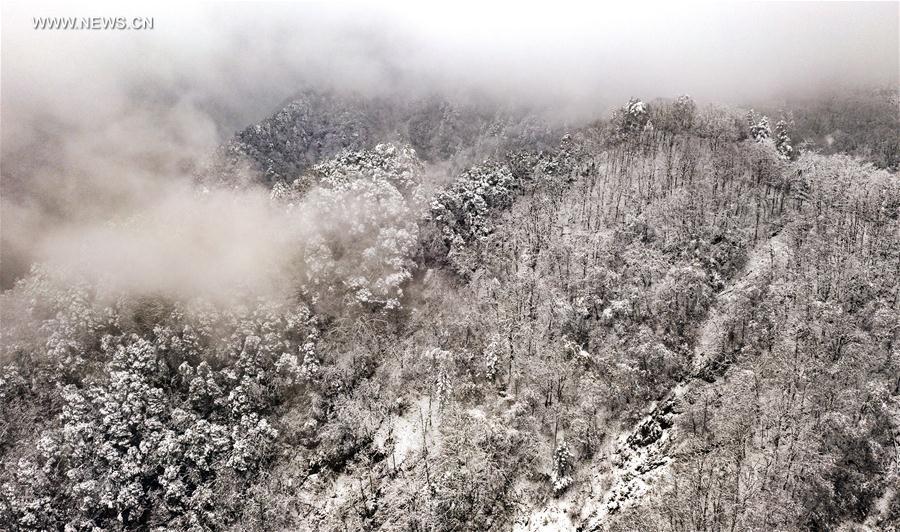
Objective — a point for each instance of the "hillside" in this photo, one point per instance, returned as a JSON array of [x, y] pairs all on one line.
[[318, 125], [670, 319]]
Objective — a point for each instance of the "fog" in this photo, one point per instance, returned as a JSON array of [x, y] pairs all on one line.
[[102, 130]]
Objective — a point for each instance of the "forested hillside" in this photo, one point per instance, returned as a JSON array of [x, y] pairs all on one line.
[[318, 125], [674, 318], [861, 122]]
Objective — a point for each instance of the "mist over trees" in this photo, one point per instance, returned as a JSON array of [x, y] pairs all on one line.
[[670, 319], [407, 307]]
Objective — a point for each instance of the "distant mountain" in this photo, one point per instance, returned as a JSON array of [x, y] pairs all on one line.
[[317, 125]]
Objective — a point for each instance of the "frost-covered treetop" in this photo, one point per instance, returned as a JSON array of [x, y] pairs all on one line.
[[636, 107], [633, 117], [398, 165], [759, 126], [364, 206]]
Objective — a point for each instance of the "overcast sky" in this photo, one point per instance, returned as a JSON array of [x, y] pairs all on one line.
[[238, 60]]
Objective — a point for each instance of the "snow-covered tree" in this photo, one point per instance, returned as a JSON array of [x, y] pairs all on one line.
[[683, 112], [563, 466], [150, 424], [632, 118], [783, 143], [363, 210], [462, 211], [759, 126]]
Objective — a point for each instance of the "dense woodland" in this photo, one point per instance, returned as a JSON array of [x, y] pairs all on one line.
[[681, 317]]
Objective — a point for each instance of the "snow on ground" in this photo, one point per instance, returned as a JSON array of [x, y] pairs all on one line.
[[401, 438], [642, 455], [327, 496], [553, 518], [762, 260]]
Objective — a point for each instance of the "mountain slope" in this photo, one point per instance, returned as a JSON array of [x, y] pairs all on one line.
[[653, 323]]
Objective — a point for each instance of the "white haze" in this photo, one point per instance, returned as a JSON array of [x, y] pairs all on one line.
[[101, 130]]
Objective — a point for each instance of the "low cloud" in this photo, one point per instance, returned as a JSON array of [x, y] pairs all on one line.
[[103, 130]]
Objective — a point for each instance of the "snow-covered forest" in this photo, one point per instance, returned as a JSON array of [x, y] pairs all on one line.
[[444, 311]]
